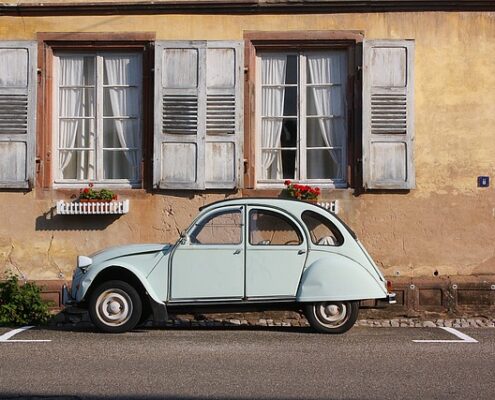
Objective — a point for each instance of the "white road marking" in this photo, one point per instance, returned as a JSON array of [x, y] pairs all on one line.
[[5, 338], [463, 337]]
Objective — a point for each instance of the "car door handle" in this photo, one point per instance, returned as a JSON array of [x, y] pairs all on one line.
[[301, 252], [238, 251]]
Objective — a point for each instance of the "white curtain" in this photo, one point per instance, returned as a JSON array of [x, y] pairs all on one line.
[[273, 73], [327, 101], [70, 105], [124, 102]]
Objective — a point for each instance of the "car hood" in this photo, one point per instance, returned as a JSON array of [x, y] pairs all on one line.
[[128, 250]]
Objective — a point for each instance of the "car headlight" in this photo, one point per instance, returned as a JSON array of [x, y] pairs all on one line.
[[84, 262]]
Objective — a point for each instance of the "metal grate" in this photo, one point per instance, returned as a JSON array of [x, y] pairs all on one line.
[[220, 114], [180, 114], [79, 208], [388, 113], [13, 114]]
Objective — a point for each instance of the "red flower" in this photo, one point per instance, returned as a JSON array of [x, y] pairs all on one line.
[[91, 184], [86, 190], [287, 182]]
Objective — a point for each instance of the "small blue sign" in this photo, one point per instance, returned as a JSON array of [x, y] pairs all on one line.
[[483, 181]]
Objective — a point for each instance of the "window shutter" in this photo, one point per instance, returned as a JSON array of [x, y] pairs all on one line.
[[18, 61], [223, 114], [388, 119], [198, 112]]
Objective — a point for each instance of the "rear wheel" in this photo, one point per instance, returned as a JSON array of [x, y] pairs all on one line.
[[115, 307], [332, 316]]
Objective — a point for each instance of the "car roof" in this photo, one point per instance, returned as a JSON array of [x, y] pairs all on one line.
[[292, 206]]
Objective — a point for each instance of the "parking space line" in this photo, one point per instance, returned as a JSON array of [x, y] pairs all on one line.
[[5, 338], [462, 336]]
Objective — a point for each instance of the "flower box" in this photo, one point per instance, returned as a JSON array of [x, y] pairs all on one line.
[[92, 207]]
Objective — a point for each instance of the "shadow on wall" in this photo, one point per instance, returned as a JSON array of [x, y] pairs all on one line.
[[50, 221]]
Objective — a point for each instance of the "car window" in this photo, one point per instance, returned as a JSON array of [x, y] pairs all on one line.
[[322, 231], [221, 228], [269, 228]]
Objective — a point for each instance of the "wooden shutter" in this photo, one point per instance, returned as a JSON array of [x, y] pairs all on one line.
[[388, 119], [223, 114], [198, 113], [18, 62]]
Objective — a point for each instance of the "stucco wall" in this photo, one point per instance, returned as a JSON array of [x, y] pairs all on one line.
[[446, 225]]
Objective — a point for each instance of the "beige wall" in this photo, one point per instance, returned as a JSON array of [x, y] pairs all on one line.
[[447, 224]]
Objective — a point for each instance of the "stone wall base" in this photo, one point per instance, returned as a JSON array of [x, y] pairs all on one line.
[[416, 297]]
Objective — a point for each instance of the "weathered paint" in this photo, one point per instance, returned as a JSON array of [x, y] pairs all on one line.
[[446, 224]]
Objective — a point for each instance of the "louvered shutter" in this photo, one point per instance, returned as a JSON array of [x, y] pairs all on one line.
[[388, 119], [198, 113], [17, 113], [223, 114]]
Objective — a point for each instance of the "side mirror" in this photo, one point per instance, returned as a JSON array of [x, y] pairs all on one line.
[[184, 238]]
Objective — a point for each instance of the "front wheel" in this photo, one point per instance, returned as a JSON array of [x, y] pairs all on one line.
[[332, 316], [115, 307]]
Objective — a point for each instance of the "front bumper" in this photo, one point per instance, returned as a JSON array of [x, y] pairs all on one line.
[[67, 299]]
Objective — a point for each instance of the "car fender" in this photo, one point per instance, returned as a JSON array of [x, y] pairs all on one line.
[[92, 274], [337, 277]]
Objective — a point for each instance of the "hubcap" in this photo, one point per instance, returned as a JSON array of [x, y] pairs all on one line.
[[114, 307], [332, 315]]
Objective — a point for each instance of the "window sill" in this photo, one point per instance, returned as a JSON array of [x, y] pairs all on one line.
[[92, 208]]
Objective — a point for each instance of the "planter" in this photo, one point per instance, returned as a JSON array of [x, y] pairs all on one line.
[[92, 207]]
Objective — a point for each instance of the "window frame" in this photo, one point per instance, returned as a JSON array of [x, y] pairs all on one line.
[[302, 117], [50, 43], [256, 42], [99, 118]]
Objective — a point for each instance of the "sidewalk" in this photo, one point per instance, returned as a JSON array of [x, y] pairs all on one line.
[[368, 318]]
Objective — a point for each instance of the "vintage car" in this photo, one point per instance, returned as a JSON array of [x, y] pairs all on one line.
[[238, 255]]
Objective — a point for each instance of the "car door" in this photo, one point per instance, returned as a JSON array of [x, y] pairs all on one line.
[[209, 264], [276, 250]]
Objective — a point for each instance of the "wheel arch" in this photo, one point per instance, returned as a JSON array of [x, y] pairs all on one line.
[[146, 293]]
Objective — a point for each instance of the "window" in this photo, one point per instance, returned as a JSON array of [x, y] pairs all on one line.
[[321, 230], [302, 117], [222, 228], [98, 117], [269, 228]]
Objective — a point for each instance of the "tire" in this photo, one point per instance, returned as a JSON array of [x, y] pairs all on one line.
[[115, 307], [332, 316]]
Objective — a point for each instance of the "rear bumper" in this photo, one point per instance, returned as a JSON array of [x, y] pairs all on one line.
[[390, 299]]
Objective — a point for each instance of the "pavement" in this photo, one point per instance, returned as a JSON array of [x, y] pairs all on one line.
[[247, 362]]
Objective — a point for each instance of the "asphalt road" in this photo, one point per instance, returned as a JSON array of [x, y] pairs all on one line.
[[259, 363]]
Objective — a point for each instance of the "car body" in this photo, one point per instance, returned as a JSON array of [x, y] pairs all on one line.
[[238, 254]]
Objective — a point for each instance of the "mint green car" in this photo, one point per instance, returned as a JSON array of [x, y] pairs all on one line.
[[238, 255]]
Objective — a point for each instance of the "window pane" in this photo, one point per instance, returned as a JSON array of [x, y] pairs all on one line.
[[290, 102], [122, 70], [76, 133], [325, 132], [272, 104], [292, 69], [120, 133], [325, 101], [223, 228], [121, 102], [76, 102], [77, 164], [273, 69], [77, 71], [322, 231], [270, 228], [120, 165], [324, 164]]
